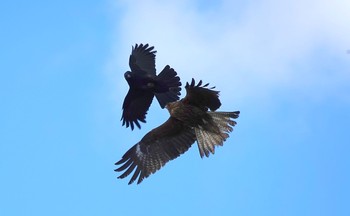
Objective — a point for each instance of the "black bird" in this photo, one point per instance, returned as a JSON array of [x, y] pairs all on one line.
[[190, 120], [144, 84]]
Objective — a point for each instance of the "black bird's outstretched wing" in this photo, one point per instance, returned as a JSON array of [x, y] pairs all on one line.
[[135, 107], [201, 96], [142, 59], [156, 148]]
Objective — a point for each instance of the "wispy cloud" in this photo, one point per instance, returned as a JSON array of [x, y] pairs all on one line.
[[254, 48]]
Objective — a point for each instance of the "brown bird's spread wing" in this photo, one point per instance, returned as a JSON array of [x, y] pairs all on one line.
[[156, 148], [201, 96], [135, 107], [142, 59]]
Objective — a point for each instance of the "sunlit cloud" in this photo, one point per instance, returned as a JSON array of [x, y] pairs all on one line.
[[253, 48]]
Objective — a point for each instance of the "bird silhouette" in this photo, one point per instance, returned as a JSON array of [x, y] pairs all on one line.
[[144, 84]]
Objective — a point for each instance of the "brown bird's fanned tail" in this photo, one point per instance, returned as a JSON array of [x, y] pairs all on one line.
[[222, 124], [169, 86]]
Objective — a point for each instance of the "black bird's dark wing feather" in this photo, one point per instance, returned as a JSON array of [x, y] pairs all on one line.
[[135, 107], [142, 59], [201, 96], [156, 148]]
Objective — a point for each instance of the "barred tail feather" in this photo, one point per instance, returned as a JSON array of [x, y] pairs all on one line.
[[222, 126]]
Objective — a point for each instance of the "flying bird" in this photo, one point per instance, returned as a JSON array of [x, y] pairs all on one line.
[[192, 118], [144, 84]]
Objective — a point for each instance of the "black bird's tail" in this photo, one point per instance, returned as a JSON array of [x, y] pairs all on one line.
[[168, 86], [220, 127]]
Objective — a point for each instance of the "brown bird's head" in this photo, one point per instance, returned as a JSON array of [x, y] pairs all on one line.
[[171, 106]]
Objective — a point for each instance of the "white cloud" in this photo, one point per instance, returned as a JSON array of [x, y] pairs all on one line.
[[252, 48]]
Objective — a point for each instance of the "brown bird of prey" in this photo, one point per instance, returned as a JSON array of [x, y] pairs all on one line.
[[144, 84], [190, 120]]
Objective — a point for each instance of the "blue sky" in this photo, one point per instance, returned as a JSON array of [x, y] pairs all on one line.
[[284, 64]]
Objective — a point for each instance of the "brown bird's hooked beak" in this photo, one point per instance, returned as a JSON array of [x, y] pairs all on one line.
[[169, 106]]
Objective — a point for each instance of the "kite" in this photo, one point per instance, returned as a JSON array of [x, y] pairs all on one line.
[[193, 118]]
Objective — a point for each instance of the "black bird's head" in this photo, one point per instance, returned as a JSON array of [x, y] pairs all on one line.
[[129, 78], [128, 75]]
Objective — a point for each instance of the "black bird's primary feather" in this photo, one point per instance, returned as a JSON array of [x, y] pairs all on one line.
[[144, 84]]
